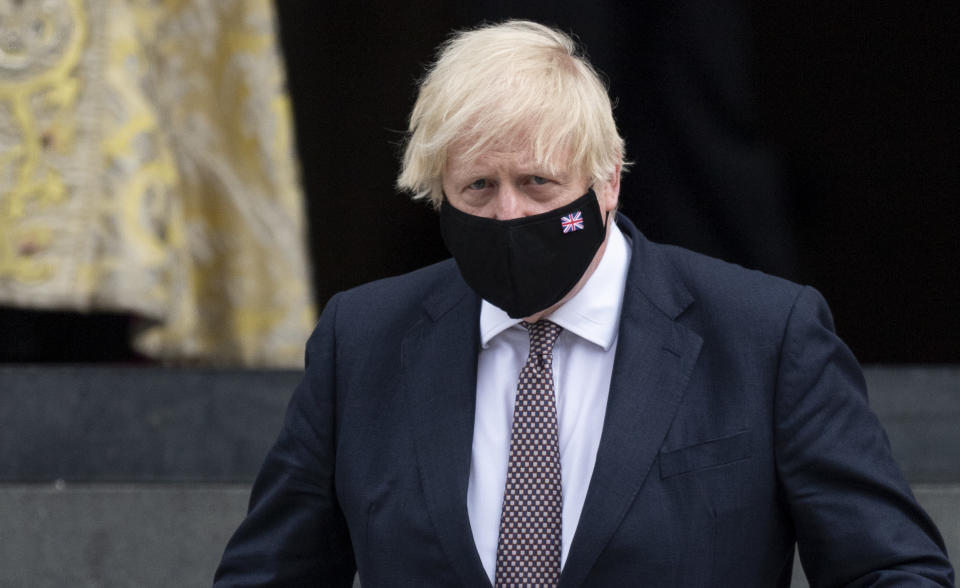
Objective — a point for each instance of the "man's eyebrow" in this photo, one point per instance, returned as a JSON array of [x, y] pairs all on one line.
[[550, 171]]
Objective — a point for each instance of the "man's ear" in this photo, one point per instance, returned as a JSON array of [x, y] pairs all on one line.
[[609, 191]]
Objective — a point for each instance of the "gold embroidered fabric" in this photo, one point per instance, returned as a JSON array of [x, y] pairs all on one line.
[[147, 166]]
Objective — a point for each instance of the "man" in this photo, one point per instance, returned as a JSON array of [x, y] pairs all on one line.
[[567, 403]]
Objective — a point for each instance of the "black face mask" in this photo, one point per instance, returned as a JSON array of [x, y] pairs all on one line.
[[525, 265]]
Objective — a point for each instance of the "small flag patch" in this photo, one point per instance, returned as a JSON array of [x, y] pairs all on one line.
[[571, 223]]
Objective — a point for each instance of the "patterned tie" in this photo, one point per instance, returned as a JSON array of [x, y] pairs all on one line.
[[528, 551]]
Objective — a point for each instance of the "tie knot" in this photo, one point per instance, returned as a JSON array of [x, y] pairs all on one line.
[[543, 334]]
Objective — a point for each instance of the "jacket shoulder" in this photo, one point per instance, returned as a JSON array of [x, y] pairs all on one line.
[[399, 301], [731, 295], [408, 288], [723, 278]]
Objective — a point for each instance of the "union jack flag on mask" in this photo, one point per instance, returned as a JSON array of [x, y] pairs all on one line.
[[571, 223]]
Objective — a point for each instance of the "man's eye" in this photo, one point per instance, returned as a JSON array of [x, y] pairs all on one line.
[[538, 180], [478, 185]]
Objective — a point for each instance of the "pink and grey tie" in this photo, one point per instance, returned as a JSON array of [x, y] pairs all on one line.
[[528, 551]]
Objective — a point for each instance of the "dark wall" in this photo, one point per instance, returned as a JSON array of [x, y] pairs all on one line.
[[817, 142], [352, 69], [862, 101]]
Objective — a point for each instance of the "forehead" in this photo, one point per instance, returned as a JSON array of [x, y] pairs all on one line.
[[464, 158]]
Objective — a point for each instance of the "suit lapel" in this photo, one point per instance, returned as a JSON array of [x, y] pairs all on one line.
[[655, 356], [440, 374]]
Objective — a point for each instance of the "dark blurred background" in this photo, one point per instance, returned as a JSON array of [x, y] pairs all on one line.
[[817, 141]]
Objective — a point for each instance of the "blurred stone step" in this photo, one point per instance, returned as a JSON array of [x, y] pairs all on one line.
[[100, 535], [144, 424], [138, 424], [162, 535]]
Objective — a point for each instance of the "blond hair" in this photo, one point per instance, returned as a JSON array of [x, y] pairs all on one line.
[[502, 84]]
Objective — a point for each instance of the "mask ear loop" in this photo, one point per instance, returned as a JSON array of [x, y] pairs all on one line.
[[606, 219]]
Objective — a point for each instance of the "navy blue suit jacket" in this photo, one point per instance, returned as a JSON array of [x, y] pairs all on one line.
[[737, 425]]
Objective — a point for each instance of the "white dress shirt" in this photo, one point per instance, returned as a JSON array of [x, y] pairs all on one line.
[[582, 367]]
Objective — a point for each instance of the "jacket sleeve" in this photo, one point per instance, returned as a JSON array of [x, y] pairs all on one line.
[[857, 522], [294, 533]]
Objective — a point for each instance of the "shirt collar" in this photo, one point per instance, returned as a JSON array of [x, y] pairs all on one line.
[[593, 313]]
